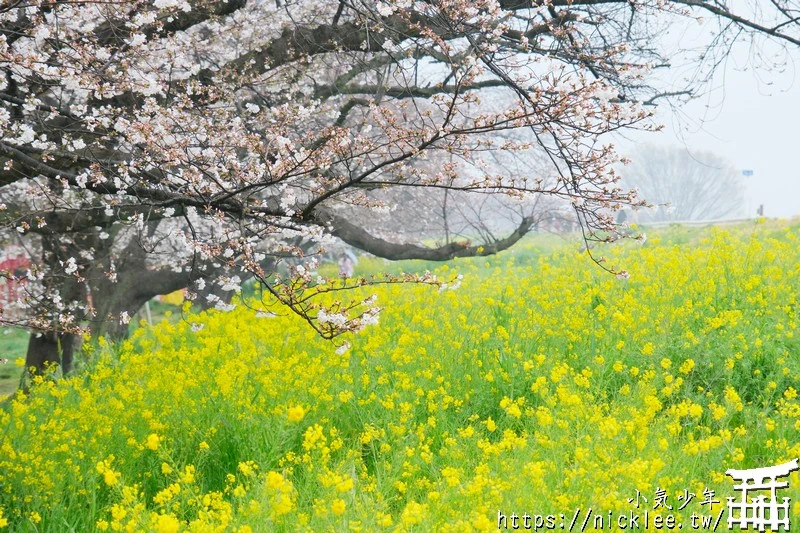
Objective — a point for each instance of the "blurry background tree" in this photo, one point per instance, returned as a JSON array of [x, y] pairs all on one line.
[[684, 185], [215, 140]]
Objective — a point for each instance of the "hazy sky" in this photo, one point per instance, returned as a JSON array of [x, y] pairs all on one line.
[[751, 117]]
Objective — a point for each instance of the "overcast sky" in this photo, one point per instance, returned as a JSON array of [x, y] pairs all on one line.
[[751, 117]]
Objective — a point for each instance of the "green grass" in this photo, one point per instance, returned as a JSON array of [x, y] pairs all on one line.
[[13, 343]]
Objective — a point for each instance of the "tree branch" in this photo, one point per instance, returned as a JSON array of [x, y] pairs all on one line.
[[360, 238]]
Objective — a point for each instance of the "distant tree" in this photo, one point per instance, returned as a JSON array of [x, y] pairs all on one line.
[[685, 185]]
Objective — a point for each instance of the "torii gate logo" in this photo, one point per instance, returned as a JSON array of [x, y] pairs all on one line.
[[760, 512]]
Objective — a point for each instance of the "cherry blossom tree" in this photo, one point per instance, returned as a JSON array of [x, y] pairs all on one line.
[[241, 128]]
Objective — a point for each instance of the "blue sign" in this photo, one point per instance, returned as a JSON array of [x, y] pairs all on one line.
[[747, 172]]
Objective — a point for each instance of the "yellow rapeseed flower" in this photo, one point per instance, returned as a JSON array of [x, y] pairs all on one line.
[[295, 413], [338, 506], [110, 477], [166, 523], [152, 441]]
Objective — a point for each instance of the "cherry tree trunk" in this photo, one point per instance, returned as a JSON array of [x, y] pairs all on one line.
[[49, 348]]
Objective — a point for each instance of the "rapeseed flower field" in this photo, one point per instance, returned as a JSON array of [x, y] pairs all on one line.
[[541, 386]]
